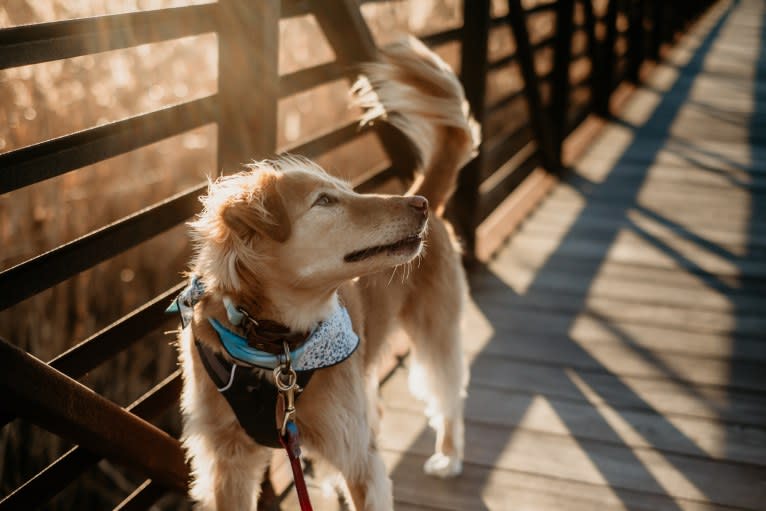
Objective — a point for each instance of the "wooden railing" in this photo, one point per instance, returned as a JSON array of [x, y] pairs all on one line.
[[519, 151]]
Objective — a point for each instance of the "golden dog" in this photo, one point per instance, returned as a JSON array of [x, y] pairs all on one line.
[[291, 244]]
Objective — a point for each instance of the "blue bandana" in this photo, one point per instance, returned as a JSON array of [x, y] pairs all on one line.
[[331, 342]]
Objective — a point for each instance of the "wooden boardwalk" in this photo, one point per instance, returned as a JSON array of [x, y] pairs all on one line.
[[617, 343]]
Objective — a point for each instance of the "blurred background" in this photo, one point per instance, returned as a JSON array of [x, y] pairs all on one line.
[[47, 100]]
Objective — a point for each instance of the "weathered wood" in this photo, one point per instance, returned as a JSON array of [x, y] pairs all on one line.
[[498, 489], [639, 428], [653, 394], [638, 248], [587, 461]]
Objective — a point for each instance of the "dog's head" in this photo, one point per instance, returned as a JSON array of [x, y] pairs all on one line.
[[288, 223]]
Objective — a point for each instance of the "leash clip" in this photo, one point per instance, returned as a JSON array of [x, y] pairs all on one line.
[[286, 381]]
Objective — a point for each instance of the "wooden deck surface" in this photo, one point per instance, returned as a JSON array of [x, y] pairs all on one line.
[[617, 343]]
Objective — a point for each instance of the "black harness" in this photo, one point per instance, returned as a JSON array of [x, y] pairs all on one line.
[[263, 408], [250, 392]]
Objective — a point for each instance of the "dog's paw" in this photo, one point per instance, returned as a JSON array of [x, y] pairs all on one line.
[[443, 466]]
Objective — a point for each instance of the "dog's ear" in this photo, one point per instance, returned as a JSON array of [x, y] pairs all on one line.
[[262, 212]]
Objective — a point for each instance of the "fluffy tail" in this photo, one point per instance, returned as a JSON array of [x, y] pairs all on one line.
[[414, 90]]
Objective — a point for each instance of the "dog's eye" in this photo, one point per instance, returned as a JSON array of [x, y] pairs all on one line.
[[323, 200]]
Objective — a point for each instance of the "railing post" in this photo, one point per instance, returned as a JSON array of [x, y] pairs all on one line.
[[562, 58], [658, 29], [636, 39], [602, 87], [248, 80], [540, 122], [473, 75]]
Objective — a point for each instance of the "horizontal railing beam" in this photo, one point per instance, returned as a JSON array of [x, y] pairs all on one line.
[[503, 146], [78, 414], [305, 79], [442, 37], [103, 345], [327, 141], [507, 59], [58, 475], [41, 272], [38, 162], [42, 42]]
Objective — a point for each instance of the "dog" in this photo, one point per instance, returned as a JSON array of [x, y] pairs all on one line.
[[285, 244]]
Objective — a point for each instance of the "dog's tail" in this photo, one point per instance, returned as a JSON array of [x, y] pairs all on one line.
[[414, 90]]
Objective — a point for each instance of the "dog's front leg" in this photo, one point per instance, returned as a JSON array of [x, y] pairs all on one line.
[[237, 484], [229, 477], [369, 485]]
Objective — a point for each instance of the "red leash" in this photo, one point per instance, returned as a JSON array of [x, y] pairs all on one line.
[[286, 381], [291, 442]]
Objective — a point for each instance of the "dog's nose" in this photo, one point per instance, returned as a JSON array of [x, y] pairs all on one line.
[[419, 204]]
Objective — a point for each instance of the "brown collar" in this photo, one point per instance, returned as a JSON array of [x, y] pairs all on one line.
[[269, 336]]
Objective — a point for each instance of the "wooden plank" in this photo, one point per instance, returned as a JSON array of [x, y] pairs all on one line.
[[723, 154], [635, 247], [734, 289], [719, 200], [641, 286], [673, 170], [525, 326], [637, 428], [655, 395], [626, 359], [493, 231], [563, 201], [497, 489], [737, 242], [590, 462]]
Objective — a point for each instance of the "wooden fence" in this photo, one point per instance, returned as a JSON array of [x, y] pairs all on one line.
[[610, 39]]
